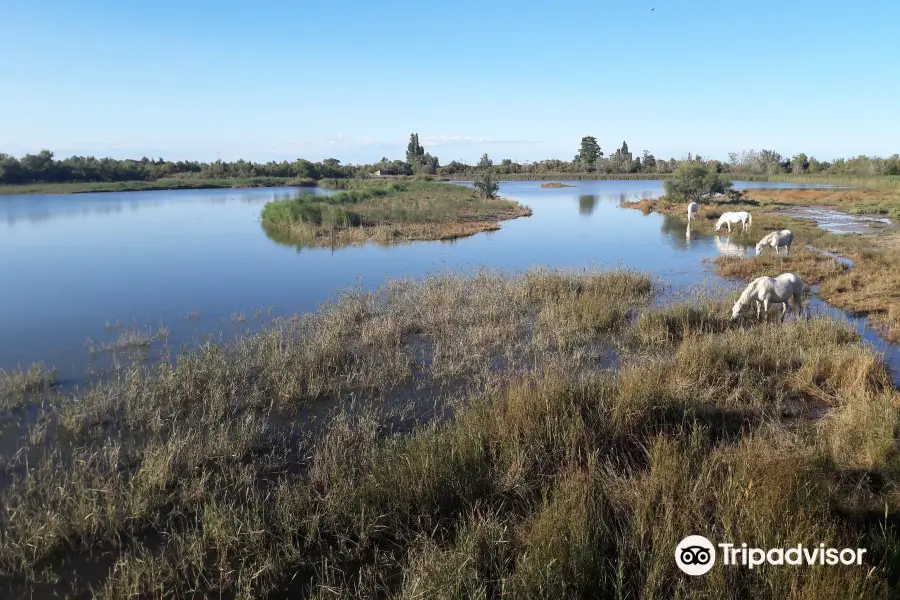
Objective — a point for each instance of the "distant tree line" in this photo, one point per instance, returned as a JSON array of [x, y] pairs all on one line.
[[43, 167]]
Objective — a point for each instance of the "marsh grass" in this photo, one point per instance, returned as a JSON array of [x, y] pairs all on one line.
[[529, 469], [812, 267], [16, 386], [128, 337], [386, 212], [869, 288]]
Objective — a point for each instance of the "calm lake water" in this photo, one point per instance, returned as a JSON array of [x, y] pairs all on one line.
[[70, 264]]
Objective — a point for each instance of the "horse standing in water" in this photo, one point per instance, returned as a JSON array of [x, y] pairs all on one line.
[[693, 207], [772, 290], [733, 218], [776, 239]]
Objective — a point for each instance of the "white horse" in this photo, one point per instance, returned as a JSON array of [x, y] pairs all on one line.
[[777, 240], [772, 290], [729, 248], [733, 218], [693, 207]]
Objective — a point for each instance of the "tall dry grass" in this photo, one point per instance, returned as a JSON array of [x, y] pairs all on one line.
[[483, 436]]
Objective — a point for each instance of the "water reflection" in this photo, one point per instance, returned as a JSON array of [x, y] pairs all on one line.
[[203, 252], [729, 248], [587, 203], [37, 209]]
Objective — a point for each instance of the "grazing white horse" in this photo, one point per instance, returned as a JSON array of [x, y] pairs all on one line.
[[729, 248], [777, 240], [733, 218], [693, 207], [772, 290]]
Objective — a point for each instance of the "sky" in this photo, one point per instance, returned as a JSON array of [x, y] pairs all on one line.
[[281, 80]]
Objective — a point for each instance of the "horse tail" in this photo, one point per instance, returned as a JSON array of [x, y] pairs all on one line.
[[749, 219]]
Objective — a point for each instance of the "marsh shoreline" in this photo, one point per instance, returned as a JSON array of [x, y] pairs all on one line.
[[868, 289], [480, 436], [176, 184]]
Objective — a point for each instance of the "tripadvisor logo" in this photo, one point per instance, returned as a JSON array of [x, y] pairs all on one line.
[[696, 555]]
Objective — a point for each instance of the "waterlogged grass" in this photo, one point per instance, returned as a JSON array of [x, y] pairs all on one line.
[[16, 386], [555, 184], [127, 338], [870, 287], [529, 465], [386, 212], [812, 267]]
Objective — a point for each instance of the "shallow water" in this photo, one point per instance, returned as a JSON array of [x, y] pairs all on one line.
[[836, 221], [71, 264]]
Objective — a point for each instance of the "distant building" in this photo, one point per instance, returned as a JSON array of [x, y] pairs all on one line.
[[384, 173]]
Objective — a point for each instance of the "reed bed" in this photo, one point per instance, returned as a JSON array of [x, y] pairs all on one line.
[[546, 434]]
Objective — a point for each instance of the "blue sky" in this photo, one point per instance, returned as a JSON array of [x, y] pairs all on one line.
[[524, 80]]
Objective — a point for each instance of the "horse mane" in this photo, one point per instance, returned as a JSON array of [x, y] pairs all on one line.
[[768, 237], [745, 295]]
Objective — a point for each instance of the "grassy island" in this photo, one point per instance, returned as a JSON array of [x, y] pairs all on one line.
[[387, 213], [551, 435]]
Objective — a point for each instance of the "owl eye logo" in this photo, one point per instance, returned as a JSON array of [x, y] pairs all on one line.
[[695, 555]]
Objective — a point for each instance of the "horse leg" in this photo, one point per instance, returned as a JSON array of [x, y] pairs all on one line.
[[766, 309]]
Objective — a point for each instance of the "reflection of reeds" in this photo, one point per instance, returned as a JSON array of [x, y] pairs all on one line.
[[526, 463]]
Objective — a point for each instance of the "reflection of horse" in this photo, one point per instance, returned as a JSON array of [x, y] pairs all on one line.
[[729, 248], [693, 207], [772, 290], [689, 232], [776, 239], [733, 218]]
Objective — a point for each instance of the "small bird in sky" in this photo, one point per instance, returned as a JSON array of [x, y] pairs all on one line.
[[652, 9]]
